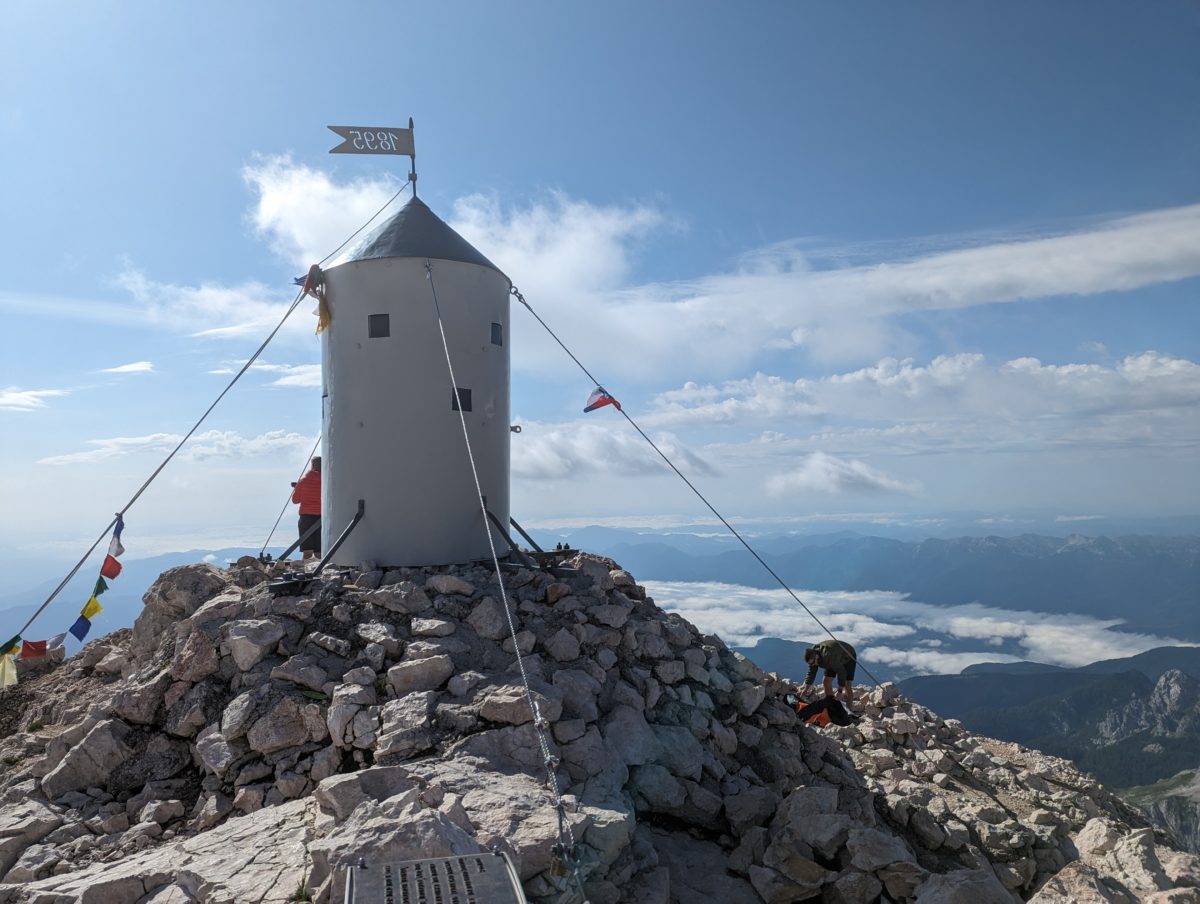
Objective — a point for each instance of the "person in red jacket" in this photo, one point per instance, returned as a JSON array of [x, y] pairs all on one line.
[[307, 494]]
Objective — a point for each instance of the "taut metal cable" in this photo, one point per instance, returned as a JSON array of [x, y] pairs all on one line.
[[521, 298], [245, 367], [146, 483], [331, 254], [288, 501], [540, 723]]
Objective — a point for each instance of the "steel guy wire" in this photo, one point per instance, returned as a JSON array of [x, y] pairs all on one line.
[[521, 298], [540, 724], [245, 367], [288, 501]]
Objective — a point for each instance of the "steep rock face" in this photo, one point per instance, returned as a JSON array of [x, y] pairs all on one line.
[[240, 746], [1173, 805], [1129, 721], [1178, 815], [1171, 709]]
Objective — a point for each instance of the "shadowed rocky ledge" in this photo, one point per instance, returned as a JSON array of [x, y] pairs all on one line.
[[240, 747]]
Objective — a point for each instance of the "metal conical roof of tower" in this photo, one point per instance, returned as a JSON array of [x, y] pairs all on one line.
[[416, 231]]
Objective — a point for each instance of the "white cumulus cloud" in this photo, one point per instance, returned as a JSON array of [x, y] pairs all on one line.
[[822, 473], [304, 214], [877, 621], [955, 401], [555, 451]]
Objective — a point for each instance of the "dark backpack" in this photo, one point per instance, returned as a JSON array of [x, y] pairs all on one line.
[[824, 711]]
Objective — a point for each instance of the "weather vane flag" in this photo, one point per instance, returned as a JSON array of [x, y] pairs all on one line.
[[374, 140], [379, 140]]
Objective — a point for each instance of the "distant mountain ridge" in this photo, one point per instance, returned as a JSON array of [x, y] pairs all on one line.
[[1151, 663], [1151, 582]]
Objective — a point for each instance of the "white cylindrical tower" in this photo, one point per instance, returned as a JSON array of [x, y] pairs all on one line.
[[392, 433]]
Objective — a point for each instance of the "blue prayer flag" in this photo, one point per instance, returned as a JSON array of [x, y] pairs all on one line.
[[80, 628]]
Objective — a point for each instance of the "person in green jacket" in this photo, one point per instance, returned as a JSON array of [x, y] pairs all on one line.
[[839, 660]]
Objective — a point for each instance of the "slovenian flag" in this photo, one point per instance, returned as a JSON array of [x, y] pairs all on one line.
[[114, 545], [598, 399]]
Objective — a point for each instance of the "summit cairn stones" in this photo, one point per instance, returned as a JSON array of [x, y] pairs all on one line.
[[251, 747], [487, 618], [251, 640], [284, 725], [448, 584], [90, 762], [426, 674]]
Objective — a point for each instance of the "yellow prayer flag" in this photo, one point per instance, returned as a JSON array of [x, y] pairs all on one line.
[[91, 609], [8, 671], [324, 315]]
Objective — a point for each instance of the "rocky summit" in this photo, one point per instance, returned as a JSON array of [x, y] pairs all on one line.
[[242, 746]]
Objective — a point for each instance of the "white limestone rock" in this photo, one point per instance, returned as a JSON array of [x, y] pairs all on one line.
[[250, 641], [425, 674]]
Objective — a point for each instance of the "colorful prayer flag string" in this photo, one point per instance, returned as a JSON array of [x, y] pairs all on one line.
[[37, 649]]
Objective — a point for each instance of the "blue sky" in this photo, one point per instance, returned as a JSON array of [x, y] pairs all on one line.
[[880, 262]]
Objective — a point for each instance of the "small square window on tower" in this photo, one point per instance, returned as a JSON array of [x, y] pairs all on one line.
[[497, 334], [460, 400], [378, 326]]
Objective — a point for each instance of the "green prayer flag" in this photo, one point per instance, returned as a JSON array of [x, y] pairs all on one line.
[[11, 645], [100, 587]]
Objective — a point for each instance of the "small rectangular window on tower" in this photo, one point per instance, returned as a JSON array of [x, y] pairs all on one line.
[[460, 400], [378, 326], [497, 334]]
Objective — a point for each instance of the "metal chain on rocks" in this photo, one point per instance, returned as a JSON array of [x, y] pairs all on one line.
[[516, 293], [566, 848]]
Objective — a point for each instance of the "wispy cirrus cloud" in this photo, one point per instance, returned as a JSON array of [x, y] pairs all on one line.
[[300, 376], [207, 445], [790, 297], [304, 376], [779, 300], [213, 310], [581, 255], [135, 367], [16, 399]]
